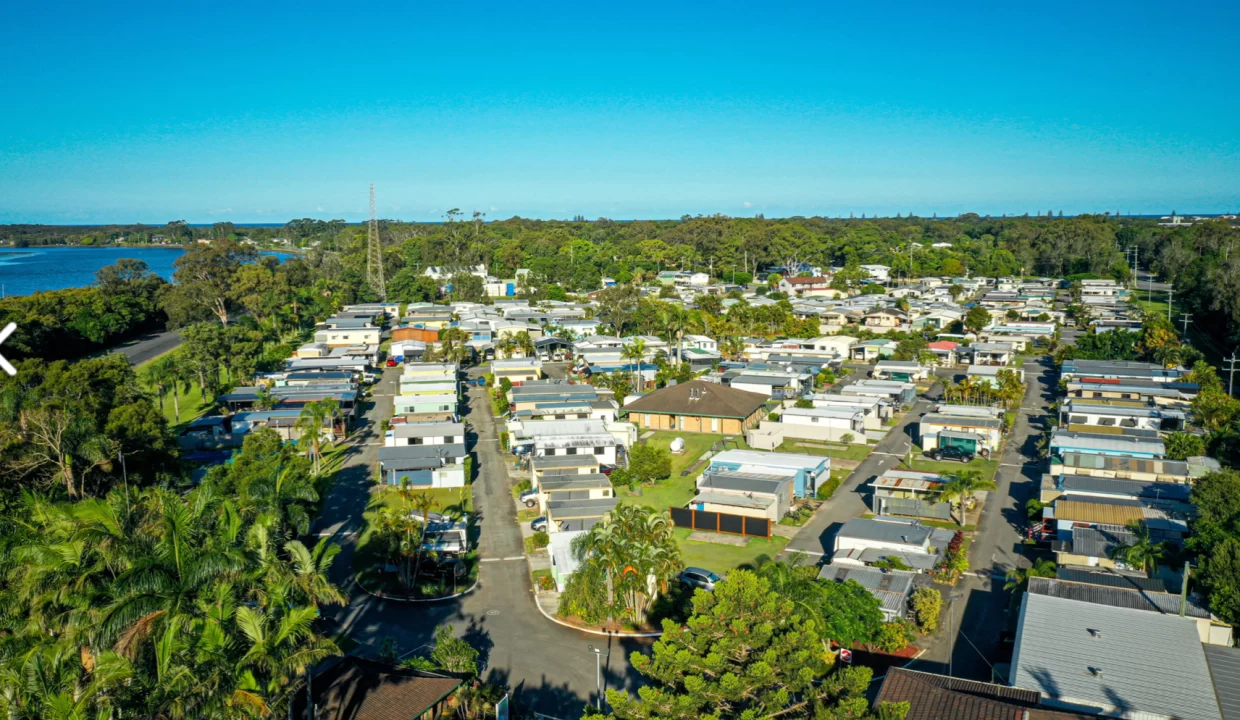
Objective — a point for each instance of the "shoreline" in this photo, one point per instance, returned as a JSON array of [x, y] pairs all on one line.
[[137, 246]]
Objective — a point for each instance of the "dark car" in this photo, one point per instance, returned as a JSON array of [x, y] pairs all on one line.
[[699, 578], [951, 453], [539, 523]]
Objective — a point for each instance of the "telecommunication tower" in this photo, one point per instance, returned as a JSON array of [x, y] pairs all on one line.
[[374, 252]]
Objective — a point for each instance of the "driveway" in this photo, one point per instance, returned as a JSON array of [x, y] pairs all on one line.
[[547, 667]]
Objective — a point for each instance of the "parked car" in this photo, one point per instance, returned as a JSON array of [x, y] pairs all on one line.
[[606, 469], [530, 498], [391, 362], [539, 524], [699, 578], [951, 453]]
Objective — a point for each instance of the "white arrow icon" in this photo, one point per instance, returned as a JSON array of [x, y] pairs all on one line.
[[4, 335]]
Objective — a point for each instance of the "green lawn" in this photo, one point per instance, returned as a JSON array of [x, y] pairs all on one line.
[[851, 451], [675, 491], [722, 558], [987, 468]]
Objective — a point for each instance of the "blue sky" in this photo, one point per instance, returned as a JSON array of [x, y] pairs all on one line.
[[261, 112]]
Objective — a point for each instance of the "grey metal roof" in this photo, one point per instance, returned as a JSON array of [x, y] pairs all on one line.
[[1224, 664], [743, 482], [419, 430], [1178, 468], [393, 457], [891, 587], [1098, 543], [1112, 658], [1125, 488], [1111, 578], [577, 481], [907, 532], [1162, 602], [559, 509], [915, 560], [546, 462], [960, 421], [745, 501], [1109, 443]]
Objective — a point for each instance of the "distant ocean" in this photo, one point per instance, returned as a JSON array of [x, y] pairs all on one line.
[[31, 270]]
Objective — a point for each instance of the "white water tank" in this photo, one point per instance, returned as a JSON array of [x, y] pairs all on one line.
[[678, 445]]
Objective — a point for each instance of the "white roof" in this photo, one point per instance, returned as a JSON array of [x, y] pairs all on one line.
[[795, 461], [827, 412]]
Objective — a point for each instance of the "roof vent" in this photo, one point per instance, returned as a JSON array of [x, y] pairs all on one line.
[[1094, 632], [1096, 672]]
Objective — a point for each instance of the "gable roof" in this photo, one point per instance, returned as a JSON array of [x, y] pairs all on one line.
[[698, 397], [934, 697], [359, 689]]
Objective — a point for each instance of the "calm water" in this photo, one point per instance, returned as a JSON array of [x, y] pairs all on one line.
[[29, 270]]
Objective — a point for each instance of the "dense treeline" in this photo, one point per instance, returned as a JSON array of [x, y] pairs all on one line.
[[125, 299]]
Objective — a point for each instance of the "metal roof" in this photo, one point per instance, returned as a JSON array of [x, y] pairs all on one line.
[[756, 502], [915, 560], [544, 462], [908, 480], [1175, 468], [577, 481], [888, 530], [891, 587], [1124, 488], [1112, 578], [793, 461], [419, 430], [1224, 664], [577, 509], [943, 420], [1110, 443], [743, 482], [1112, 658], [1132, 598], [391, 457]]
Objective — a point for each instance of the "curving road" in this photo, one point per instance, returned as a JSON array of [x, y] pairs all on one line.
[[547, 666], [148, 347]]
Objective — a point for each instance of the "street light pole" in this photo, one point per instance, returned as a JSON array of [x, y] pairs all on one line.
[[598, 675], [951, 631]]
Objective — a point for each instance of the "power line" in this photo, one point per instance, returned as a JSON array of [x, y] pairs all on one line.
[[1231, 371], [374, 252], [1187, 319]]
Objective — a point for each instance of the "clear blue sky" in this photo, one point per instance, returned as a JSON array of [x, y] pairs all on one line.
[[262, 112]]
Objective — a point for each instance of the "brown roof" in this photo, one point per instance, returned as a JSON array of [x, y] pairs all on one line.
[[1095, 512], [807, 280], [698, 397], [938, 697], [358, 689]]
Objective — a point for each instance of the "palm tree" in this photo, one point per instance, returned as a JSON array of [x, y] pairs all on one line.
[[505, 346], [423, 503], [525, 343], [286, 494], [310, 426], [1142, 552], [676, 320], [1018, 579], [961, 487], [310, 568], [635, 352], [159, 373], [637, 549], [1011, 389]]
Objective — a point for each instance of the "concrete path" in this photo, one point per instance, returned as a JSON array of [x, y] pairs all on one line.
[[547, 666]]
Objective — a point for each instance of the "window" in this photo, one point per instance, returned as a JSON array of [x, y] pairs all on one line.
[[570, 451], [416, 441], [1078, 419], [448, 440], [599, 450], [1097, 394]]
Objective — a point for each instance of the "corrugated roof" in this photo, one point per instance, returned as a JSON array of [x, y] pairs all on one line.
[[1224, 664], [943, 420], [547, 462], [418, 430], [891, 587], [577, 509], [577, 481], [1160, 602], [1125, 488], [1110, 578], [1108, 657], [1109, 443], [743, 482], [938, 697], [1106, 513], [906, 532], [757, 502]]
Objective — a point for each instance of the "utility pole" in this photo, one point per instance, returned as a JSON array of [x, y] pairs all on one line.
[[1231, 371], [1187, 319], [374, 252], [1170, 295]]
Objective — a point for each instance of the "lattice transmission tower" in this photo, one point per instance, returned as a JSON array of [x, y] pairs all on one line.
[[374, 252]]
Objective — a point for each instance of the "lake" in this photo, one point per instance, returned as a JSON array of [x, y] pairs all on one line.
[[29, 270]]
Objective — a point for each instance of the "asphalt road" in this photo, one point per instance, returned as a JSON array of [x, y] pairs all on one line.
[[149, 347], [547, 666]]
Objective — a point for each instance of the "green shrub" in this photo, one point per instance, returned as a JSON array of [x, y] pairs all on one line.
[[926, 604]]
